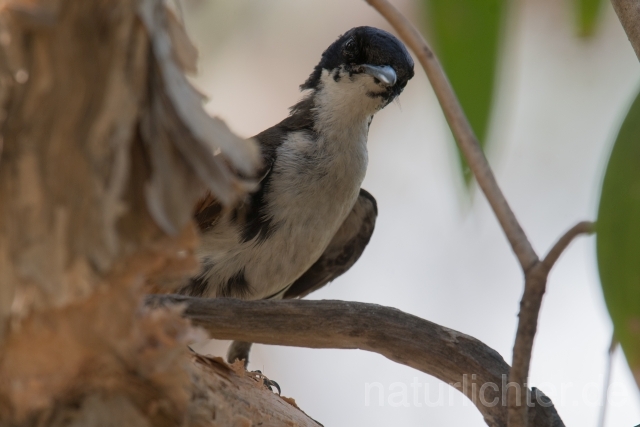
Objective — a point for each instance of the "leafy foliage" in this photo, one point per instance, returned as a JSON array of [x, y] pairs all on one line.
[[467, 35], [587, 12], [467, 38], [618, 237]]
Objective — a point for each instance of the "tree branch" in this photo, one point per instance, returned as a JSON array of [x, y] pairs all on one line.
[[584, 227], [628, 12], [458, 359], [534, 289], [535, 271], [462, 131], [607, 380]]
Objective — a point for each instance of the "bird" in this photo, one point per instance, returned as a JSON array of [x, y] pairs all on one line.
[[308, 220]]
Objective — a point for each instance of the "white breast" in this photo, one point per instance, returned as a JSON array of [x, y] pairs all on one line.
[[313, 186]]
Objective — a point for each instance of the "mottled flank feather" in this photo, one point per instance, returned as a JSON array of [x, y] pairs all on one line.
[[237, 286]]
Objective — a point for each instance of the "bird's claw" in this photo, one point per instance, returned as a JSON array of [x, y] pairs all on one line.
[[266, 382]]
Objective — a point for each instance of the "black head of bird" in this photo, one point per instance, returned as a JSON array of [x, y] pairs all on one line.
[[362, 52]]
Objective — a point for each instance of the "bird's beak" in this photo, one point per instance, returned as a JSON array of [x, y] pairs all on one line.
[[384, 73]]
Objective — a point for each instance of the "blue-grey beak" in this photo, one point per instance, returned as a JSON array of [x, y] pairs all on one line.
[[384, 73]]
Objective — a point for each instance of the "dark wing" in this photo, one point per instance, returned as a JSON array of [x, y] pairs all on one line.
[[209, 209], [343, 251]]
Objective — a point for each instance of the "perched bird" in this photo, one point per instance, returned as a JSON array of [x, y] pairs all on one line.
[[309, 221]]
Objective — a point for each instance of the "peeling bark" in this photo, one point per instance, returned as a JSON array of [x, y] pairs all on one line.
[[104, 149], [105, 145]]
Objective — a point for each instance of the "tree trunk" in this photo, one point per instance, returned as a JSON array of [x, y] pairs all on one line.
[[104, 148]]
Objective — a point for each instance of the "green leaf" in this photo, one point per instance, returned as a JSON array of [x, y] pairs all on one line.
[[467, 36], [618, 237], [587, 13]]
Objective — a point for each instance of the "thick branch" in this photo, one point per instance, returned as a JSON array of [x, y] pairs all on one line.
[[451, 356], [629, 14], [462, 131], [534, 289]]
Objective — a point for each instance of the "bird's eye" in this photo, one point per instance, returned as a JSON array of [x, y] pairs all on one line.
[[350, 45]]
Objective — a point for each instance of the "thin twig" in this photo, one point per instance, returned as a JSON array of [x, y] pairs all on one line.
[[584, 227], [534, 289], [607, 380], [628, 12], [455, 358], [535, 271], [462, 131]]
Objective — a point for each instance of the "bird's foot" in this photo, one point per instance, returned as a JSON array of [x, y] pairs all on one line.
[[270, 384]]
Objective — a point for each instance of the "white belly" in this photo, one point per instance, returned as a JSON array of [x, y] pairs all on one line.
[[312, 190]]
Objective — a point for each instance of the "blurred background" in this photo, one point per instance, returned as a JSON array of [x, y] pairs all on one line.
[[438, 252]]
